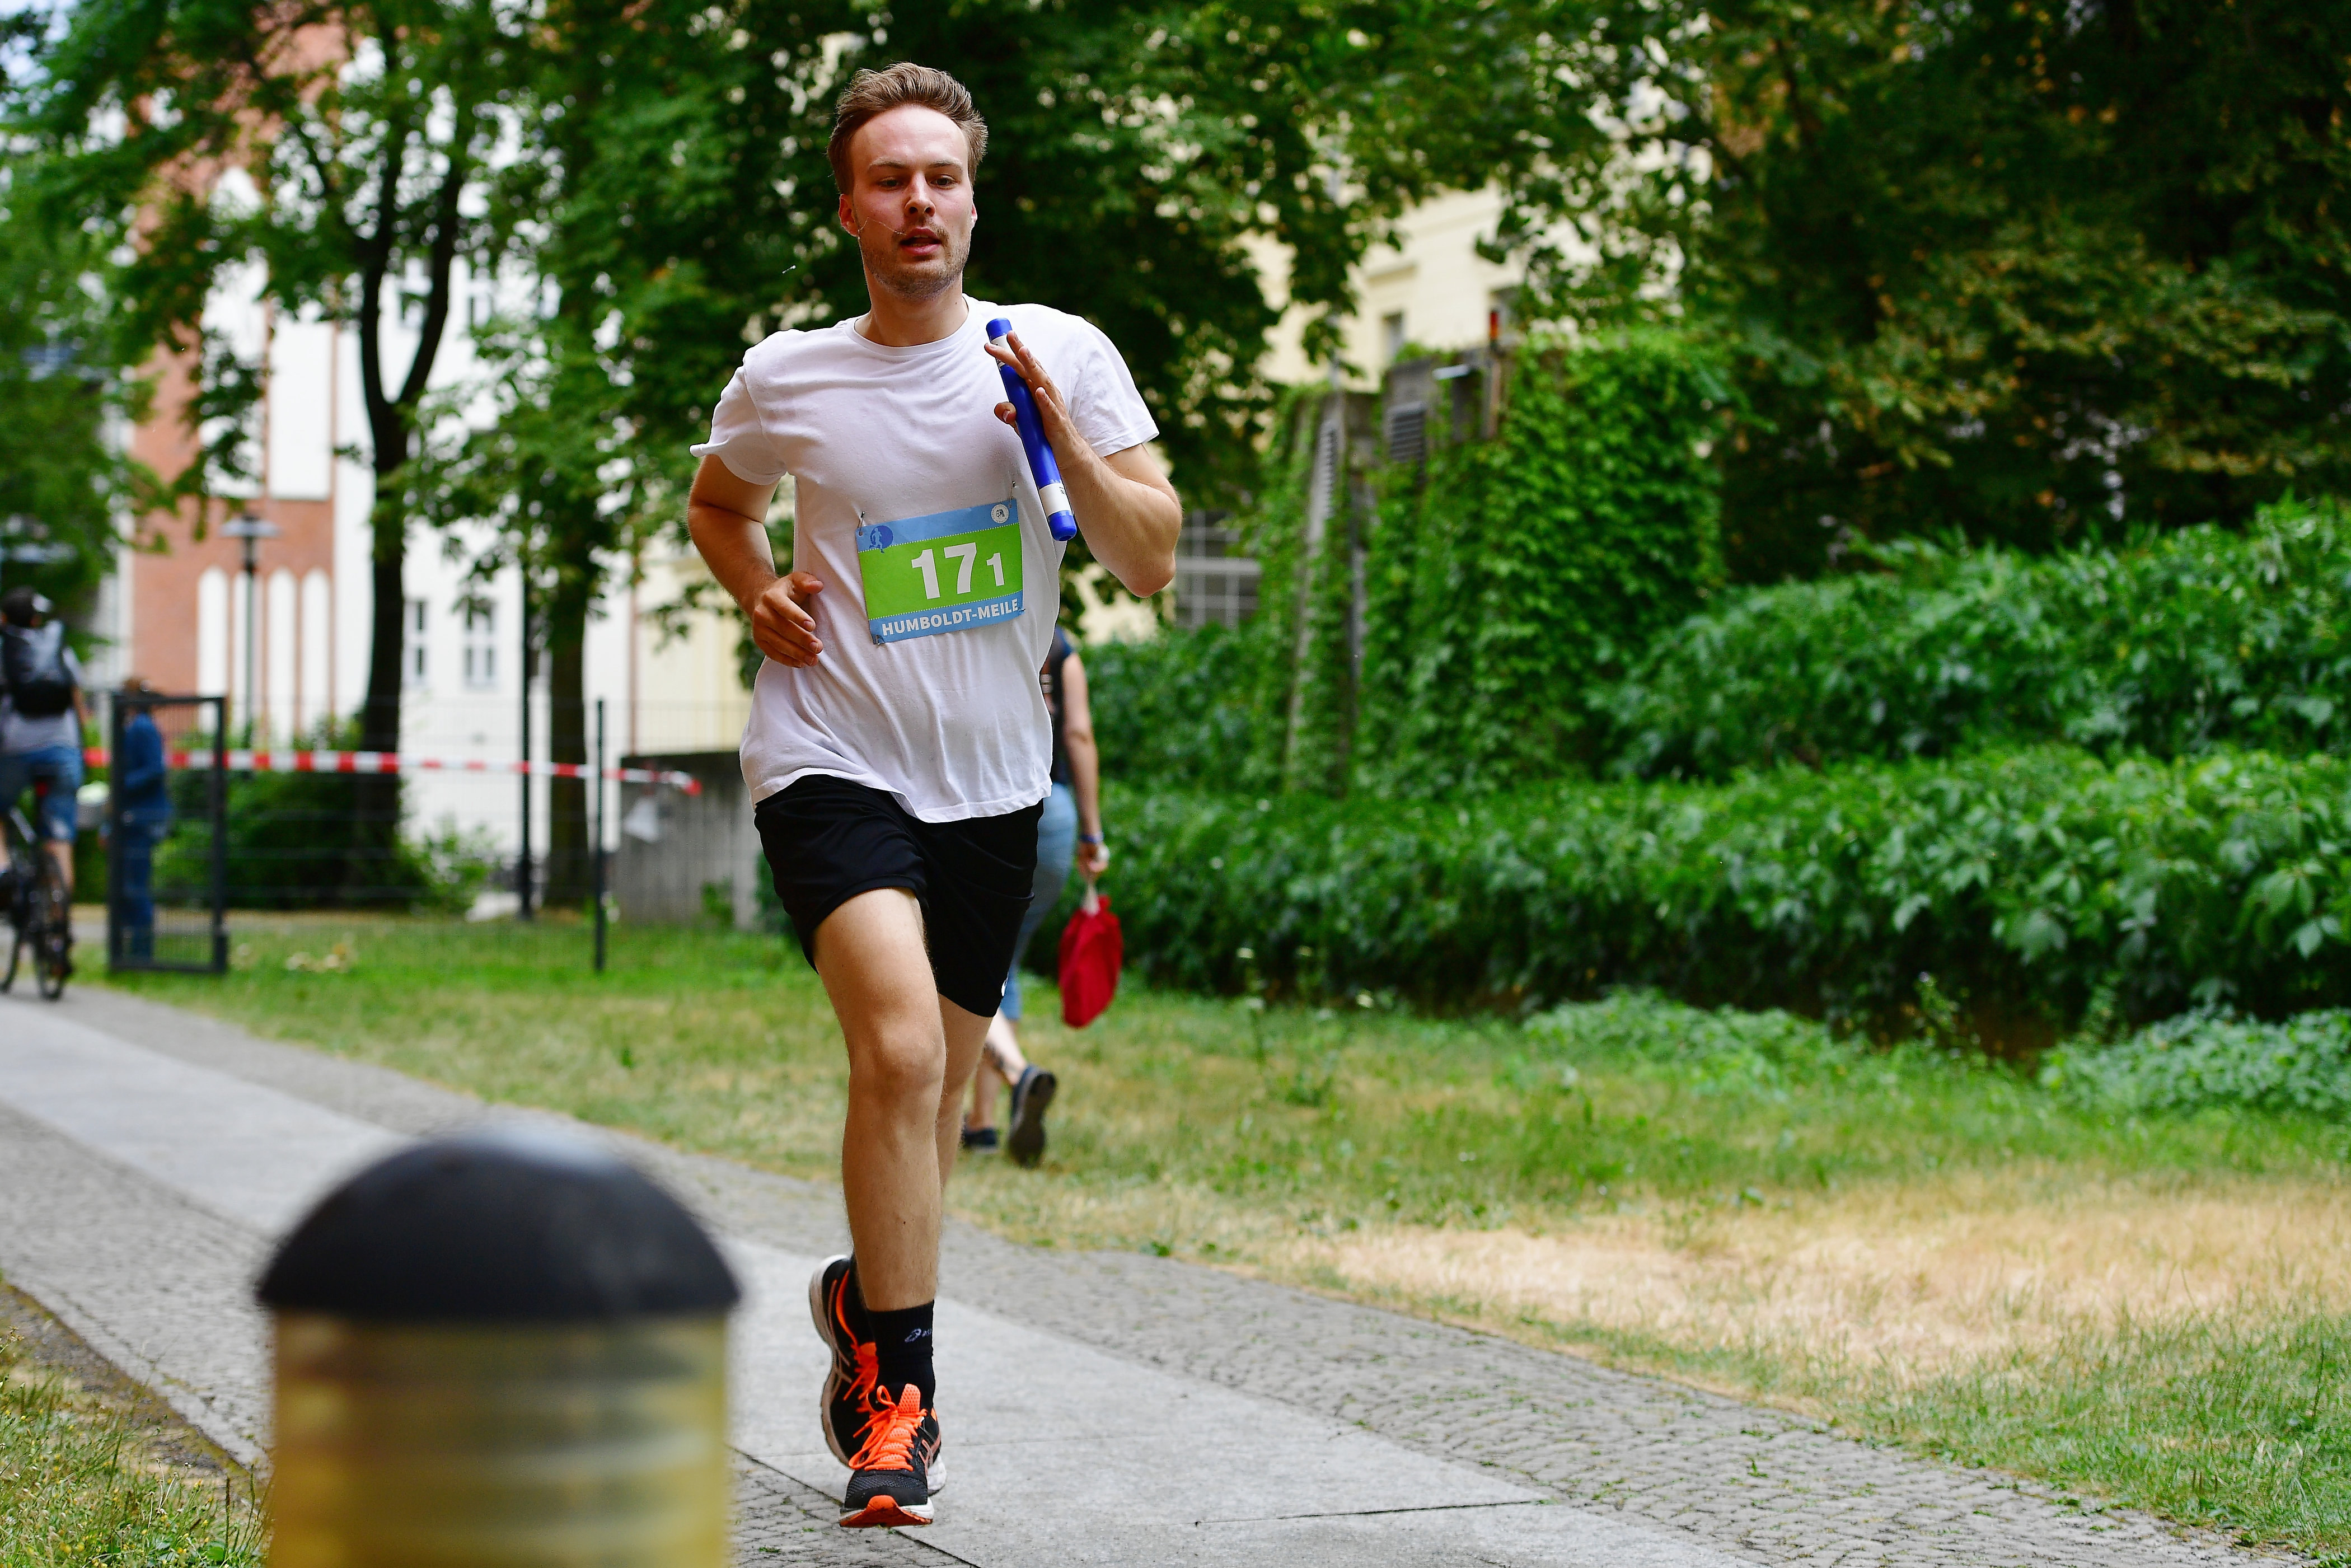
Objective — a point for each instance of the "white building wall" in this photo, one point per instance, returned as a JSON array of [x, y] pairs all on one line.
[[1430, 287], [278, 642], [316, 632]]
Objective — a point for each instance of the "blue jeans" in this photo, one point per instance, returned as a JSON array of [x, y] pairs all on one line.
[[134, 856], [1057, 847], [61, 765]]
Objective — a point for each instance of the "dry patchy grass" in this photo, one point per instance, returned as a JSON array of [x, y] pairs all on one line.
[[1917, 1281]]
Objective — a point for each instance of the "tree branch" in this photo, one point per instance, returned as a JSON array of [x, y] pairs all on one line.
[[446, 224], [385, 427]]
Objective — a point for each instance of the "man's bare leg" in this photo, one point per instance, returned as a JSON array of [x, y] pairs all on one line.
[[63, 854], [910, 1054]]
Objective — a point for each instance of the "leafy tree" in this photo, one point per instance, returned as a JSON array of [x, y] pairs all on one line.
[[1135, 151], [681, 204], [62, 483], [364, 138], [2029, 270], [537, 472]]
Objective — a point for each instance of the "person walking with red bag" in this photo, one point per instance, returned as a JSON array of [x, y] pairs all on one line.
[[1069, 832]]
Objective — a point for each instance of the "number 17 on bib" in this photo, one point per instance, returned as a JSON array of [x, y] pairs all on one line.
[[949, 571]]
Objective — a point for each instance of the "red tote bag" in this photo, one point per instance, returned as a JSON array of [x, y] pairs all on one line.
[[1092, 949]]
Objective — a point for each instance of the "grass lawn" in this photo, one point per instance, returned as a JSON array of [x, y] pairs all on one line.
[[1916, 1248], [85, 1479]]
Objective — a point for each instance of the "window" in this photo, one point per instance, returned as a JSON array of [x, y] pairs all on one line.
[[481, 645], [1214, 583], [411, 660], [1392, 337]]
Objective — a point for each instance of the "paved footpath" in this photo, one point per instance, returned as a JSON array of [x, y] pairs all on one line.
[[1100, 1408]]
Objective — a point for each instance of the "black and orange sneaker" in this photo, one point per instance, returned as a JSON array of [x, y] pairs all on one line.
[[852, 1394], [889, 1478]]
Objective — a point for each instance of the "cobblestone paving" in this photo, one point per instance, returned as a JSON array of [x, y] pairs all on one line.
[[779, 1521], [1740, 1479]]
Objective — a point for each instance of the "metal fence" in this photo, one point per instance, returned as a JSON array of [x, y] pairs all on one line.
[[202, 834]]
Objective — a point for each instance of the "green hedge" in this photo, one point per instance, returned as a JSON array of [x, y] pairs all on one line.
[[2196, 639], [2027, 884]]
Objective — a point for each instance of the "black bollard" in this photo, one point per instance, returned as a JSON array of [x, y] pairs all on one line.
[[501, 1350]]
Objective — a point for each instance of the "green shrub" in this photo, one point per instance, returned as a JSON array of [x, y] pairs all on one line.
[[2213, 1057], [2025, 882], [2194, 640], [1722, 1051], [1174, 710], [300, 840]]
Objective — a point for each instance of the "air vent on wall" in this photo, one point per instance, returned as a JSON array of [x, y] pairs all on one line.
[[1408, 435]]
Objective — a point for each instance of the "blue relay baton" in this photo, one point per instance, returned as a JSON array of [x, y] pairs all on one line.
[[1041, 466]]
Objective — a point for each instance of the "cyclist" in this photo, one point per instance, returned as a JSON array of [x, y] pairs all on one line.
[[42, 712]]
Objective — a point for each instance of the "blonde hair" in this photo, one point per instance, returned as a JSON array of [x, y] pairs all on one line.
[[872, 93]]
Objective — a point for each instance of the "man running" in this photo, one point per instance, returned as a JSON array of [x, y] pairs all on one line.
[[899, 746]]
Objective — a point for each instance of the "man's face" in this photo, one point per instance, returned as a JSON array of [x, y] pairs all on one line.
[[911, 205]]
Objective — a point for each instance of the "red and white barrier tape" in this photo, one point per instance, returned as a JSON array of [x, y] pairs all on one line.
[[391, 762]]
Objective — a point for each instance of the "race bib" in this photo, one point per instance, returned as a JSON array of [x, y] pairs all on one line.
[[947, 572]]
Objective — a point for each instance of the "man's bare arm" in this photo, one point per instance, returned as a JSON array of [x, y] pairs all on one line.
[[1124, 505], [727, 518]]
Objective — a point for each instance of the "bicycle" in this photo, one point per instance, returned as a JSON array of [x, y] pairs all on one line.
[[34, 898]]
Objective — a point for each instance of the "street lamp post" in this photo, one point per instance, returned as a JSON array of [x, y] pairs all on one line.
[[250, 531]]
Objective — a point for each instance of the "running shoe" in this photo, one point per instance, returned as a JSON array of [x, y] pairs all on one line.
[[1030, 1096], [980, 1140], [890, 1478], [851, 1393]]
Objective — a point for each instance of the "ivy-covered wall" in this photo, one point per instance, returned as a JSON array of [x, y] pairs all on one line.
[[1497, 583]]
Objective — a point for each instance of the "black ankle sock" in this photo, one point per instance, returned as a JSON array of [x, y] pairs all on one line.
[[902, 1348], [855, 1302]]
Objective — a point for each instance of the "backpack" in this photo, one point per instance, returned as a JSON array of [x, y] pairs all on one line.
[[33, 668]]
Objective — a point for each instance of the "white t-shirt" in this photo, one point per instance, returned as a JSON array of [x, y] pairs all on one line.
[[905, 479]]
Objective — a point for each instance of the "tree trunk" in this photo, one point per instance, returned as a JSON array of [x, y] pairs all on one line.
[[373, 876]]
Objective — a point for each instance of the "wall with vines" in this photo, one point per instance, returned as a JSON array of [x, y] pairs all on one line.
[[1498, 584]]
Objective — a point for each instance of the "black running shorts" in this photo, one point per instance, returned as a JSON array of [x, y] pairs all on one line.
[[828, 839]]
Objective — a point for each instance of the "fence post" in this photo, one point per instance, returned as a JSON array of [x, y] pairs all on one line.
[[522, 858], [599, 857], [499, 1349], [114, 932], [216, 795]]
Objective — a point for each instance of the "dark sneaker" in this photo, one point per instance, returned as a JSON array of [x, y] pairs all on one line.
[[890, 1478], [980, 1140], [851, 1394], [1030, 1096]]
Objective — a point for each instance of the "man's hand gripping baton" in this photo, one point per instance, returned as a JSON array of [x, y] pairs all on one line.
[[1041, 466]]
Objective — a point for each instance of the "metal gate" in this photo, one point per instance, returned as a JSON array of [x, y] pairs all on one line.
[[166, 833]]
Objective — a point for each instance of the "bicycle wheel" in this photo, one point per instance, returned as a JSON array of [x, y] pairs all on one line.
[[50, 931], [17, 907]]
